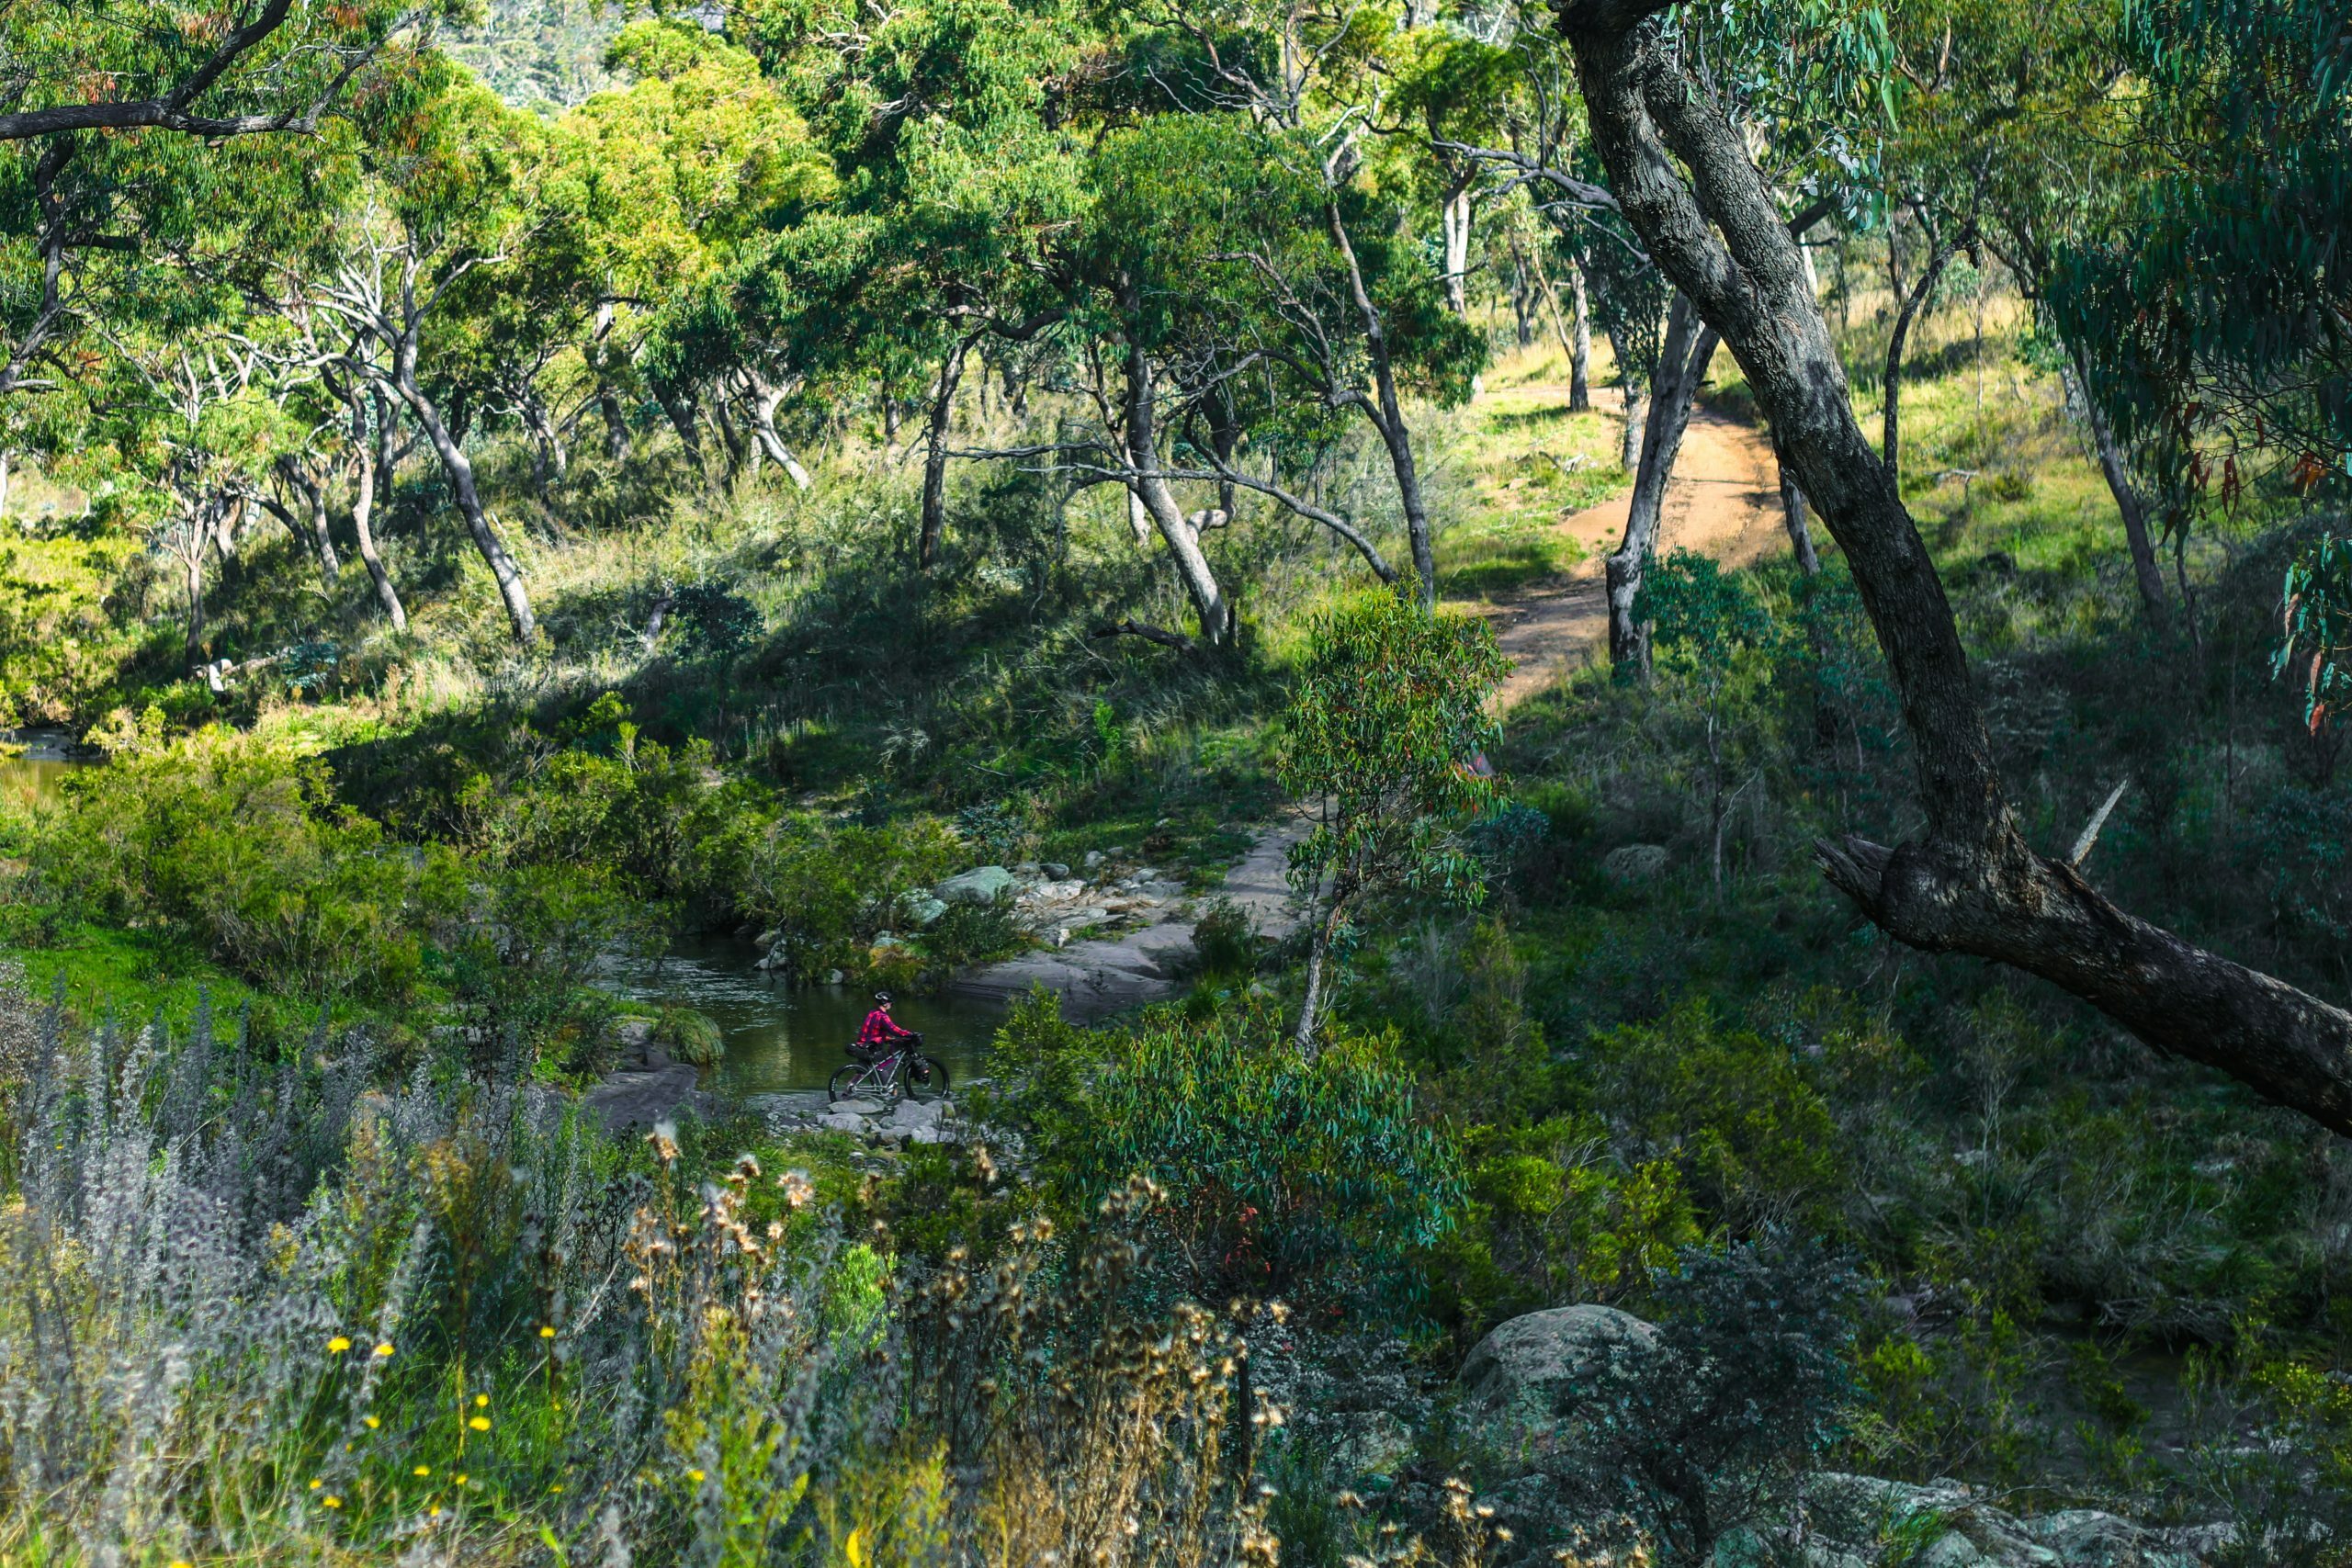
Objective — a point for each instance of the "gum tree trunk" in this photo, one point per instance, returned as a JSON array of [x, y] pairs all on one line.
[[374, 454], [934, 457], [1971, 882], [460, 469], [2146, 571], [1682, 365], [1147, 487]]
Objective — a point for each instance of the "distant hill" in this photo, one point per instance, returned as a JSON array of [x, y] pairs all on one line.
[[544, 55]]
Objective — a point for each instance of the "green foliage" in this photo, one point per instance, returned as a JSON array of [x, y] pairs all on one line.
[[829, 889], [1727, 1108], [973, 933], [1554, 1219], [1278, 1176], [1387, 712], [1225, 943], [234, 845], [2317, 644], [690, 1036]]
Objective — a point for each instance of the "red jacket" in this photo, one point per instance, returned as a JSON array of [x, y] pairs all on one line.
[[881, 1028]]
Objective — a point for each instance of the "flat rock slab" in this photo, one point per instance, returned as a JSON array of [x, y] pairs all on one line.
[[807, 1102], [629, 1101]]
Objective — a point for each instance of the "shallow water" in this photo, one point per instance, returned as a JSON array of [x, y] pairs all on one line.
[[781, 1038], [37, 772]]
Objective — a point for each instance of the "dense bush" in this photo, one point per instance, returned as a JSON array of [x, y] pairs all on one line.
[[258, 1310], [234, 846], [1279, 1173]]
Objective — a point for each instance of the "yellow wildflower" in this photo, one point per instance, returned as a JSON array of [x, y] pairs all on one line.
[[421, 1470], [547, 1331], [482, 1399], [385, 1349], [373, 1423], [338, 1345], [331, 1502], [695, 1476], [479, 1423]]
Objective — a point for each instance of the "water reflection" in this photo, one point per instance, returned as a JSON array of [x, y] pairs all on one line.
[[33, 764], [780, 1038]]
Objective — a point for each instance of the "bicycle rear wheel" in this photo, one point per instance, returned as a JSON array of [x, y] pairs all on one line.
[[847, 1081]]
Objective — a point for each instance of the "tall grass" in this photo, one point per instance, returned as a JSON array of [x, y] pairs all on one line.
[[275, 1311]]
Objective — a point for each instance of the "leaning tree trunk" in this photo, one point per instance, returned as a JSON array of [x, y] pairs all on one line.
[[1318, 965], [503, 569], [1971, 884], [320, 538], [934, 455], [1682, 366], [374, 455], [2146, 569], [1148, 488], [765, 400]]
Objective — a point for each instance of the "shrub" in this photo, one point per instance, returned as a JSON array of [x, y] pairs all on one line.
[[1552, 1219], [973, 933], [1277, 1173], [1225, 942], [690, 1036], [1729, 1109], [827, 890], [233, 845]]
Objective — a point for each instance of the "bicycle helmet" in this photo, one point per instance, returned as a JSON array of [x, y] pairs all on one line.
[[882, 996]]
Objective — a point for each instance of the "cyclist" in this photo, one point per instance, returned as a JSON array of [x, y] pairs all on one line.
[[881, 1031]]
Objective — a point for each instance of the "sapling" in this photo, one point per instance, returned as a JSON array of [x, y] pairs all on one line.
[[1387, 732]]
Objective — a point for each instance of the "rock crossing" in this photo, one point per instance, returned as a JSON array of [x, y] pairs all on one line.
[[907, 1123]]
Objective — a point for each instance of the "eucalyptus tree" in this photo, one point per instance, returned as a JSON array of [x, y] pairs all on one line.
[[656, 197], [953, 180], [200, 67], [182, 435], [2215, 285], [2016, 125], [140, 128], [1797, 79], [1686, 179], [447, 198], [1313, 86]]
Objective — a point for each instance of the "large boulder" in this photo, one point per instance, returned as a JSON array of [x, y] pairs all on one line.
[[1635, 862], [981, 885], [630, 1102], [1528, 1377]]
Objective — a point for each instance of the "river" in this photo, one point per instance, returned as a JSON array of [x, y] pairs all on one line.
[[780, 1038], [33, 764]]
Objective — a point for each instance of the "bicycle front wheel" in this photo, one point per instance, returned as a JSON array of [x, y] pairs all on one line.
[[927, 1079]]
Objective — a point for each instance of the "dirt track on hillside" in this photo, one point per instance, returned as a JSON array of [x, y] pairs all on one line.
[[1724, 500]]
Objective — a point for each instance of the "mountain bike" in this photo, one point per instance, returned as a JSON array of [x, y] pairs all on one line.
[[901, 1073]]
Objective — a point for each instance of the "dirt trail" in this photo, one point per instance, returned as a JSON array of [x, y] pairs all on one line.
[[1723, 502]]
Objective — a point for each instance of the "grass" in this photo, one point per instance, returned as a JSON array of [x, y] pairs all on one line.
[[1512, 465]]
